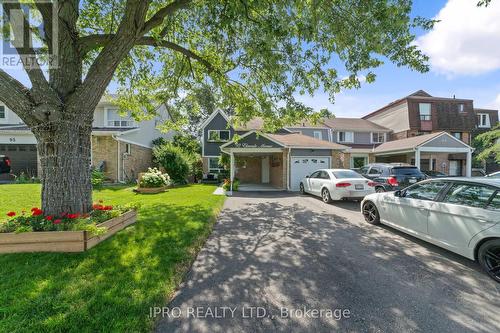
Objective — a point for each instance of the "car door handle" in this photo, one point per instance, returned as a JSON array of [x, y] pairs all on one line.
[[421, 207]]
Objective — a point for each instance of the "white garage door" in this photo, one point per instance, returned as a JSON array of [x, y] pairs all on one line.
[[303, 166]]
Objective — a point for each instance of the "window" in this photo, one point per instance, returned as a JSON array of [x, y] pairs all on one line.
[[347, 174], [425, 111], [364, 170], [317, 135], [483, 120], [213, 165], [461, 108], [2, 112], [315, 174], [116, 120], [427, 191], [457, 135], [495, 202], [378, 137], [218, 135], [469, 195], [346, 137], [127, 148], [375, 171], [324, 175]]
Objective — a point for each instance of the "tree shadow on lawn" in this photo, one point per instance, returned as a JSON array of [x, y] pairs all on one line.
[[277, 256], [110, 287]]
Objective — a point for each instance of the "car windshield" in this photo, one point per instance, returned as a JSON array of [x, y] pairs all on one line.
[[340, 174], [406, 171]]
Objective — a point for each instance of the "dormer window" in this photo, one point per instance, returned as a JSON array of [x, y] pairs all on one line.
[[218, 135], [114, 119], [483, 120], [317, 135], [461, 108]]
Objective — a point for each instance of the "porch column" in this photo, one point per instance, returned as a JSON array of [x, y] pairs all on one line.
[[417, 158], [231, 174], [468, 164]]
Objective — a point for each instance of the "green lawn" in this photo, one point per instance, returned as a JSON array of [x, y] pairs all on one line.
[[112, 286]]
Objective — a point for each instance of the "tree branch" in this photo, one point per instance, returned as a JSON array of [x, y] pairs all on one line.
[[160, 15], [16, 96]]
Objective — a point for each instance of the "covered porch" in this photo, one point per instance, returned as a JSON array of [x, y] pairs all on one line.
[[432, 152]]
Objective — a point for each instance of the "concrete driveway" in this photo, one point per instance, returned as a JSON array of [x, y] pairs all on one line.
[[273, 258]]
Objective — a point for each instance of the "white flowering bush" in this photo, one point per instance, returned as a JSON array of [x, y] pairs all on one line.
[[154, 178]]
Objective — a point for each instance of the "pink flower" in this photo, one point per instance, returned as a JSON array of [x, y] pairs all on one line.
[[57, 221], [49, 218]]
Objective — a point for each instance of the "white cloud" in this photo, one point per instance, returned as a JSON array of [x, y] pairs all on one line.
[[466, 41], [496, 103]]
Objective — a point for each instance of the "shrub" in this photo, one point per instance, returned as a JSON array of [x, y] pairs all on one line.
[[173, 160], [97, 178], [36, 220], [154, 178]]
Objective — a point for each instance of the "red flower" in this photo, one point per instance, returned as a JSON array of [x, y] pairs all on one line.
[[33, 209], [11, 214], [57, 221], [107, 207], [97, 207], [36, 212], [72, 216], [49, 218]]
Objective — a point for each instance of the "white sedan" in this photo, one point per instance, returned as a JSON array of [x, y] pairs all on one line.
[[458, 214], [337, 184]]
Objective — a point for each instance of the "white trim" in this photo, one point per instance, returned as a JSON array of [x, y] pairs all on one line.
[[444, 149], [117, 138], [313, 128], [317, 148], [106, 119], [218, 130], [373, 142], [247, 134], [394, 152], [211, 117], [488, 122], [252, 150]]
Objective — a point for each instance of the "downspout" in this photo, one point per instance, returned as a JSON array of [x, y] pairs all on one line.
[[289, 158], [118, 173]]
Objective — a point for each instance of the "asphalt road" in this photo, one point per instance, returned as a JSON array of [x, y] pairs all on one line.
[[273, 258]]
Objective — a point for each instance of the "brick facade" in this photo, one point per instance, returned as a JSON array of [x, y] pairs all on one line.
[[248, 169], [105, 149]]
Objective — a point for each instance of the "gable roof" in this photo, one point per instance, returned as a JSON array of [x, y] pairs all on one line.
[[354, 124], [414, 142], [212, 116]]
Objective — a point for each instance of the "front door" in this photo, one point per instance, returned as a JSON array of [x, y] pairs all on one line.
[[455, 168], [265, 170]]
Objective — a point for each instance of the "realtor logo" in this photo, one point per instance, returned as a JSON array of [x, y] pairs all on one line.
[[29, 34]]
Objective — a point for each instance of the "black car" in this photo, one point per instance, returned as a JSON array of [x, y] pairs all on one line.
[[434, 174], [4, 164], [392, 176]]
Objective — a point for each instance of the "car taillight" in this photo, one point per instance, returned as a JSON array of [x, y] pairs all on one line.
[[7, 161], [392, 181], [343, 184], [372, 184]]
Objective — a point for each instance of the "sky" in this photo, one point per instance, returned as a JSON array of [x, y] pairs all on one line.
[[464, 51]]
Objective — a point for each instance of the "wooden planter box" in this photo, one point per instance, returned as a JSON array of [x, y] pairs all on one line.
[[151, 189], [63, 241]]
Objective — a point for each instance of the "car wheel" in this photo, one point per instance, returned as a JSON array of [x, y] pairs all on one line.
[[489, 258], [325, 195], [370, 213], [302, 189], [379, 189]]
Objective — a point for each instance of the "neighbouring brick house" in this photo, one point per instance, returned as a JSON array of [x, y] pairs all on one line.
[[121, 147], [422, 114]]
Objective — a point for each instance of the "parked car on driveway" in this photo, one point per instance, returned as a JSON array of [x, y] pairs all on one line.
[[392, 177], [477, 172], [337, 184], [4, 164], [434, 174], [459, 214]]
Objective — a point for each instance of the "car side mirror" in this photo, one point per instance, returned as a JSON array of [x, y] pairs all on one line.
[[307, 176], [398, 193]]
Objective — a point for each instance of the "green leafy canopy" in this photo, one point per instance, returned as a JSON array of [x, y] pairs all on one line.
[[258, 55]]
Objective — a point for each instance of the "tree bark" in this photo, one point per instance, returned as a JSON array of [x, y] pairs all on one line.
[[64, 150]]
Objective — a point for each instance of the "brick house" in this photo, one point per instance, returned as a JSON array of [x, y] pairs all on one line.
[[422, 114], [121, 147]]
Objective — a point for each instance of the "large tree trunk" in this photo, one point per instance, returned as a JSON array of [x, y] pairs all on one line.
[[64, 150]]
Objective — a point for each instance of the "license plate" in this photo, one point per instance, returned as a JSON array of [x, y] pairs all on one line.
[[412, 180], [359, 187]]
